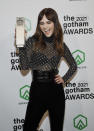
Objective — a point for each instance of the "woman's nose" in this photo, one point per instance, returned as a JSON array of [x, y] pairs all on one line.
[[45, 26]]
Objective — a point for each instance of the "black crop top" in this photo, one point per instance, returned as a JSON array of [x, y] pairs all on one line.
[[46, 59]]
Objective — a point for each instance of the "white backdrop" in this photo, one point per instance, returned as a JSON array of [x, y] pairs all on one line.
[[77, 20]]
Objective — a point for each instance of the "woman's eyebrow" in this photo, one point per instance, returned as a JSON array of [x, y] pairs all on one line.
[[41, 22]]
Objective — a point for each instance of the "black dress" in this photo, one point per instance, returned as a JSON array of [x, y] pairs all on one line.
[[45, 95]]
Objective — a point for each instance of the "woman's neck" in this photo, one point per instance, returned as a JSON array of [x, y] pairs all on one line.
[[48, 39]]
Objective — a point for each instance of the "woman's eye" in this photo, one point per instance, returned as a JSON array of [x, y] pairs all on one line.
[[41, 23], [49, 22]]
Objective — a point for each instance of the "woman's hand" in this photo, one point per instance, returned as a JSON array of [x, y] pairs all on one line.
[[58, 79]]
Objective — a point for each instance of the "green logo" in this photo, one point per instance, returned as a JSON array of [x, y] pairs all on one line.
[[80, 122], [79, 56], [24, 92], [27, 24]]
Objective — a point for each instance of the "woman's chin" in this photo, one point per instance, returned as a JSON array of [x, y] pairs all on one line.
[[48, 35]]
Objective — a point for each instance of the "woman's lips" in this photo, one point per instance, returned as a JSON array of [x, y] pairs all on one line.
[[47, 31]]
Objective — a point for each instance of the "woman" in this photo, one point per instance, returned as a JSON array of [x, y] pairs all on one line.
[[42, 53]]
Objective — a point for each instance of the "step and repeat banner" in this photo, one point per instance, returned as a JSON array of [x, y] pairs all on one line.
[[77, 20]]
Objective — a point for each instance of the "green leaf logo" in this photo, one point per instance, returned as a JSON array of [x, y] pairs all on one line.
[[24, 92], [79, 56], [80, 122]]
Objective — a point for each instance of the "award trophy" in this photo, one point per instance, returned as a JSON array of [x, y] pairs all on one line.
[[20, 31]]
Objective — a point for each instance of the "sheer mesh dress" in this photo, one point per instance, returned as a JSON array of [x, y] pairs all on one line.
[[47, 59]]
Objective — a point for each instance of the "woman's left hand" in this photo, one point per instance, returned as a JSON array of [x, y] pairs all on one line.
[[58, 79]]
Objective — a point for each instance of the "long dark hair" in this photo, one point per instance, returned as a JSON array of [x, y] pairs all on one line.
[[58, 33]]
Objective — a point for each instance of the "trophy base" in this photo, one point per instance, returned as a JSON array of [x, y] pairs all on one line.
[[19, 46]]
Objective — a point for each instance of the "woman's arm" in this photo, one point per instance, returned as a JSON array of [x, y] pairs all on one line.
[[24, 54], [71, 62]]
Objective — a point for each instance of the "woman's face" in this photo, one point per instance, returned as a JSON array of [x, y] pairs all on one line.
[[46, 26]]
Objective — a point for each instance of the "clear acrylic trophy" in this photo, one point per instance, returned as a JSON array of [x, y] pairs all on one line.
[[20, 31]]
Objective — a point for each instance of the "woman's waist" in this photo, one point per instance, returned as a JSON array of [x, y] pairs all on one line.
[[49, 75]]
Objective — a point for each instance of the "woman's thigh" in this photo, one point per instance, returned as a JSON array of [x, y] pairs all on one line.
[[57, 109], [35, 108]]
